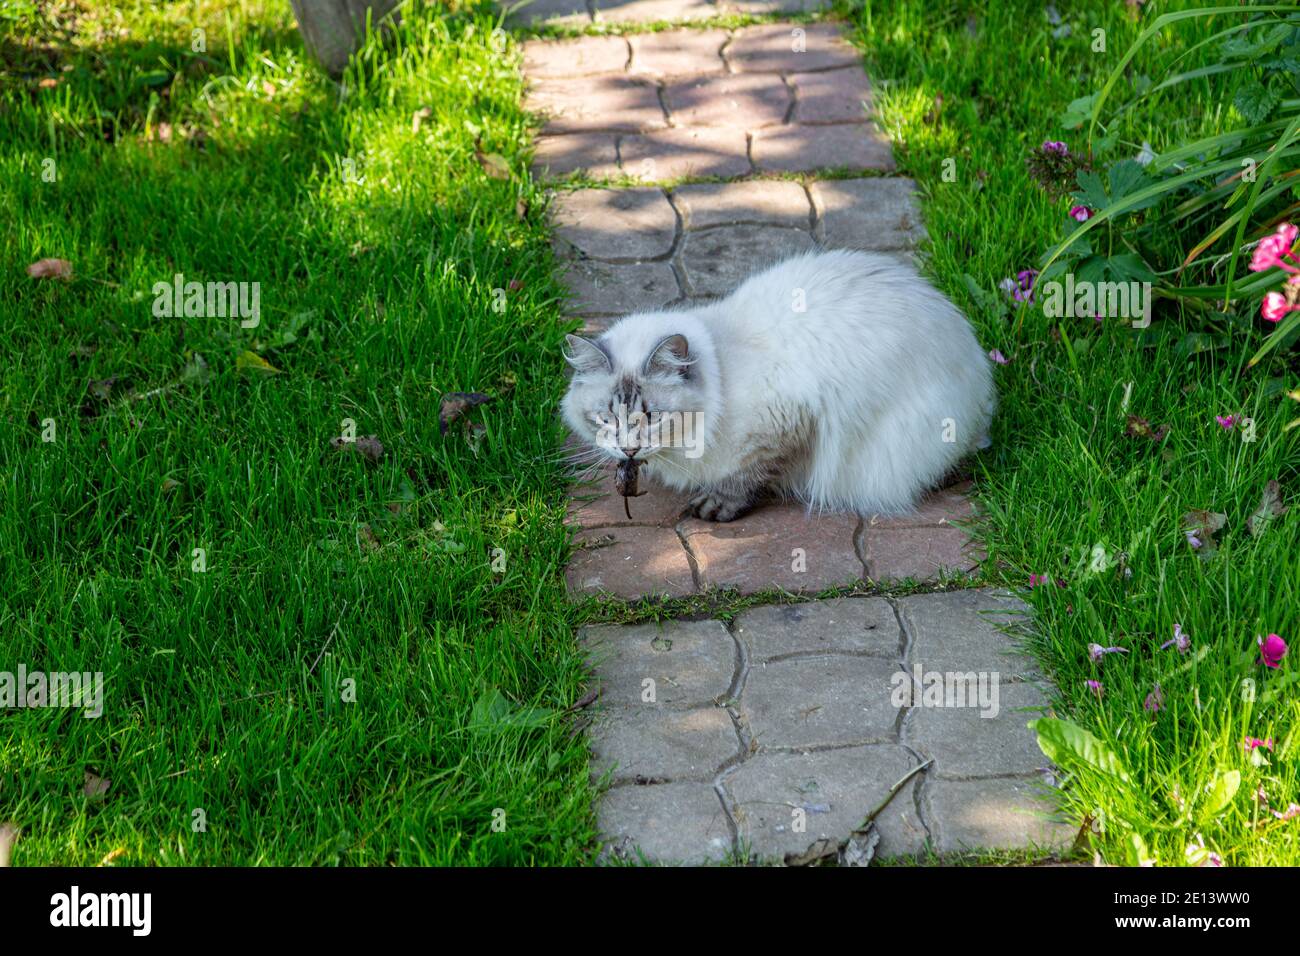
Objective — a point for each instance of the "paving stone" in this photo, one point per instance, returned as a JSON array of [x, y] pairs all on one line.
[[800, 148], [692, 663], [836, 96], [608, 288], [744, 101], [819, 702], [760, 7], [1000, 813], [560, 12], [580, 56], [651, 11], [718, 260], [629, 562], [681, 153], [590, 104], [946, 506], [923, 554], [652, 743], [873, 214], [614, 224], [836, 790], [658, 506], [855, 625], [765, 202], [959, 630], [789, 48], [966, 743], [678, 52], [597, 153], [668, 823]]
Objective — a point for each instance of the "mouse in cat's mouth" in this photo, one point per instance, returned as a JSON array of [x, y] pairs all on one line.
[[625, 483]]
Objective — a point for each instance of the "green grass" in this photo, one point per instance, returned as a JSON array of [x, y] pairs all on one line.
[[225, 688], [349, 681], [1063, 479]]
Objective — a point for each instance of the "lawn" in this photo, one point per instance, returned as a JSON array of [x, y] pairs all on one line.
[[368, 661], [1071, 496]]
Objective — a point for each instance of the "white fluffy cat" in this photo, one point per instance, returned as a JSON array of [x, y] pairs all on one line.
[[842, 379]]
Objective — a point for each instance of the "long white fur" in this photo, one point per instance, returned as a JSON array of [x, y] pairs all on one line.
[[876, 371]]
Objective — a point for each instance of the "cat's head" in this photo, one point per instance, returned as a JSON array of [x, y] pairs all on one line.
[[639, 388]]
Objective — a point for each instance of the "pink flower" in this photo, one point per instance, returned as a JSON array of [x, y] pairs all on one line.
[[997, 356], [1275, 306], [1155, 701], [1254, 743], [1179, 640], [1272, 249], [1095, 687], [1225, 421], [1271, 650], [1290, 813], [1055, 146], [1080, 213]]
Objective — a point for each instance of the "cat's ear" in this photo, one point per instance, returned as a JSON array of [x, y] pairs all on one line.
[[672, 354], [587, 356]]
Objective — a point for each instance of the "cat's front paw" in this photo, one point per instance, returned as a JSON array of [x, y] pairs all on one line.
[[715, 507]]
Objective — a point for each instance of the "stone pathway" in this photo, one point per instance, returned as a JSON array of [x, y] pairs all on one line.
[[757, 740], [718, 737]]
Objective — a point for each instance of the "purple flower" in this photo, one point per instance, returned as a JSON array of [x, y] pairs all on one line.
[[1155, 701], [1179, 640], [1226, 422], [1055, 147], [1095, 687], [997, 356], [1080, 213], [1097, 652]]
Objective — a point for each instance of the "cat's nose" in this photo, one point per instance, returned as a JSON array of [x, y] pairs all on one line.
[[630, 452]]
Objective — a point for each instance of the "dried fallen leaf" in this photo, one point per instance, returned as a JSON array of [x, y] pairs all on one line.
[[169, 485], [96, 786], [1270, 507], [419, 116], [50, 269], [1200, 527], [860, 848], [98, 393], [369, 540], [82, 352], [252, 362], [369, 446], [8, 837], [1138, 427], [521, 210], [112, 855], [48, 82], [456, 404], [494, 164], [819, 850], [268, 88]]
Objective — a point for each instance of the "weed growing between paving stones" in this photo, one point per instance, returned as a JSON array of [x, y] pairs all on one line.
[[311, 656], [1081, 501]]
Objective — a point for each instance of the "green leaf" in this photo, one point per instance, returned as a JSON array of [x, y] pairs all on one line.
[[1061, 740], [1078, 112], [1255, 102], [492, 712], [1219, 794], [1091, 191]]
